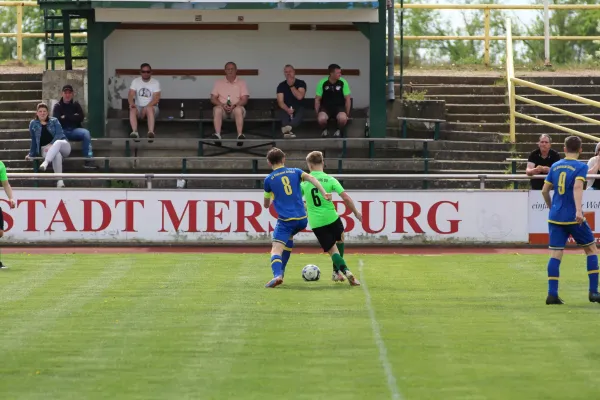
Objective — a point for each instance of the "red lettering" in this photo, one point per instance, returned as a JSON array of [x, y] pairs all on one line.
[[242, 217], [31, 215], [87, 215], [366, 212], [192, 205], [129, 213], [212, 216], [411, 219], [432, 218], [7, 218], [345, 216], [65, 218]]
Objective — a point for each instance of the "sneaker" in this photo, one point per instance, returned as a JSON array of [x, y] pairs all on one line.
[[134, 135], [240, 138], [324, 133], [43, 166], [337, 133], [278, 280], [60, 184], [594, 297], [337, 276], [554, 300], [289, 135], [2, 266], [286, 129], [218, 137], [351, 279], [150, 137]]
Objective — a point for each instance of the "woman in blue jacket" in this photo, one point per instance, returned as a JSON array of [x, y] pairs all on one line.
[[48, 140]]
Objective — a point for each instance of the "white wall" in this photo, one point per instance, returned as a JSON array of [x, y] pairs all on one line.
[[268, 50]]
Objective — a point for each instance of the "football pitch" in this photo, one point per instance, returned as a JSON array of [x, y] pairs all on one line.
[[202, 326]]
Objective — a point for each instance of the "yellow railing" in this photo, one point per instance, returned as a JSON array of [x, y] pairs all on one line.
[[513, 97], [19, 34], [487, 37]]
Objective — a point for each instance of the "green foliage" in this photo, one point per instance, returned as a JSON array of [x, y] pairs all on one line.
[[416, 95], [466, 52], [33, 22], [119, 184]]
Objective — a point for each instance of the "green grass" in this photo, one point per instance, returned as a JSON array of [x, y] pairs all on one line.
[[202, 326]]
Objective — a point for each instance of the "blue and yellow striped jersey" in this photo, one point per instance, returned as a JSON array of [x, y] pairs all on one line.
[[563, 175]]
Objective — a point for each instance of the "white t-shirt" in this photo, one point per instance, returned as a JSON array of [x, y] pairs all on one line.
[[144, 90]]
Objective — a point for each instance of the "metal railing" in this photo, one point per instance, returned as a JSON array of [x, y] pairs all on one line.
[[513, 97], [487, 37], [149, 178], [19, 34]]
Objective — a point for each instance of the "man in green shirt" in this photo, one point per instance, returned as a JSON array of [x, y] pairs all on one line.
[[333, 100], [324, 221], [9, 194]]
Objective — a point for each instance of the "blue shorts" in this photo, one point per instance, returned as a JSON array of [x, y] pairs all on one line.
[[285, 230], [559, 234]]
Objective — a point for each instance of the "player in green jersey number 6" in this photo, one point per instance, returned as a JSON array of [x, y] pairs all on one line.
[[324, 220], [9, 194]]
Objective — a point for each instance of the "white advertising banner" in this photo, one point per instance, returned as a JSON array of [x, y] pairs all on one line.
[[172, 216], [538, 215]]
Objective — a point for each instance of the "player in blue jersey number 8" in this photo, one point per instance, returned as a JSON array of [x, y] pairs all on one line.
[[566, 218], [282, 186]]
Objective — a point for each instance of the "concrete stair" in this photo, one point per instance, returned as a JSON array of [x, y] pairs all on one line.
[[475, 138], [19, 95]]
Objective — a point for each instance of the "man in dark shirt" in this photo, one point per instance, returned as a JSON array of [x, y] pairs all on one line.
[[540, 161], [333, 100], [290, 94], [70, 115]]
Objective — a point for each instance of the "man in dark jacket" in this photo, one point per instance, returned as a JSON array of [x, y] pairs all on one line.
[[70, 114]]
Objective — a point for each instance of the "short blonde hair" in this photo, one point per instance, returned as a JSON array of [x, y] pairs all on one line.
[[314, 158]]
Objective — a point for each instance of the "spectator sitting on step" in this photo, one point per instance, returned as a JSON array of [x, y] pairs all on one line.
[[229, 96], [540, 161], [49, 141], [290, 94], [70, 115], [333, 100], [144, 94], [593, 166]]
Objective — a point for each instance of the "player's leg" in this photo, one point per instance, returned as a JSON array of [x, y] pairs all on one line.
[[558, 235], [584, 237], [1, 232], [299, 225], [287, 253], [281, 235]]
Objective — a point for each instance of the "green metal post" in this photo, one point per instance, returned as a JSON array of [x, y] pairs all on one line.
[[514, 171], [127, 149], [66, 20], [401, 48], [97, 32], [184, 165], [371, 149], [200, 149], [107, 170], [404, 129], [436, 132]]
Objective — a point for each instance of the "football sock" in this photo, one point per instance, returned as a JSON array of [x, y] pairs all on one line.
[[285, 256], [592, 268], [553, 275], [339, 262], [340, 247], [276, 265]]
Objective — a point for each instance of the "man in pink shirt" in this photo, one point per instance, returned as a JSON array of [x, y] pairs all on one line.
[[229, 96]]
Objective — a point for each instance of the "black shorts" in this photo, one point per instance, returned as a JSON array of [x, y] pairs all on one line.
[[328, 235], [332, 111], [1, 220]]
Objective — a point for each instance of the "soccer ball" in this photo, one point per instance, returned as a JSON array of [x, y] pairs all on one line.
[[311, 273]]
